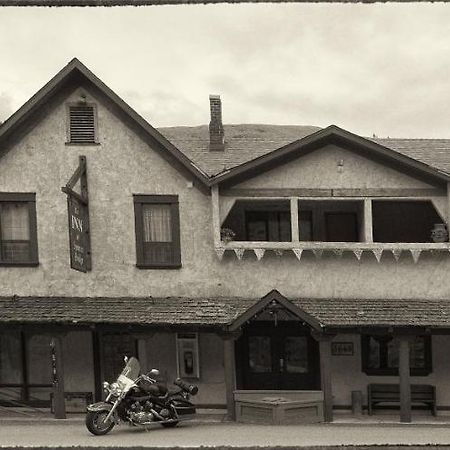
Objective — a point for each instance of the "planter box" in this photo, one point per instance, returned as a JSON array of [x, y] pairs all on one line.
[[279, 407]]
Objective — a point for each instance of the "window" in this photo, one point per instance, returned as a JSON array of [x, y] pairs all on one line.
[[18, 235], [380, 355], [273, 226], [157, 231], [82, 124]]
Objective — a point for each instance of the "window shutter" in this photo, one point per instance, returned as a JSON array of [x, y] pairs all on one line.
[[82, 124]]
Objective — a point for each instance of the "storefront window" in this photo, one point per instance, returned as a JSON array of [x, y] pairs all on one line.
[[380, 355]]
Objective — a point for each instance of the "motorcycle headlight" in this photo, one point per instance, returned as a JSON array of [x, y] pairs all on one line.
[[106, 386], [115, 389]]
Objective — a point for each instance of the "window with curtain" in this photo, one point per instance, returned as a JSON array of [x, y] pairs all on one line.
[[18, 237], [157, 231]]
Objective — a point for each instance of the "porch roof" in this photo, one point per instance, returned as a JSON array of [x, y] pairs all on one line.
[[220, 311]]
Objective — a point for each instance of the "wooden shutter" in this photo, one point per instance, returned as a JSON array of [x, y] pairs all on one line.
[[82, 124]]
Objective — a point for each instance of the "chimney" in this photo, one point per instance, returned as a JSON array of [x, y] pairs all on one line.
[[216, 135]]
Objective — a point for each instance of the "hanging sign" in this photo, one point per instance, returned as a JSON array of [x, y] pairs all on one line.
[[78, 214]]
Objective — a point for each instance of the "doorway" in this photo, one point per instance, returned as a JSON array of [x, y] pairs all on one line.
[[280, 356]]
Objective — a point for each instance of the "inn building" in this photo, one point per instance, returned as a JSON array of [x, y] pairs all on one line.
[[289, 267]]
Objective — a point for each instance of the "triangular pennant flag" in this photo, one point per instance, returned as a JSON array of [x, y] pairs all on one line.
[[259, 252], [220, 251], [298, 252], [415, 253], [338, 252], [239, 252], [377, 252], [396, 252], [318, 252], [278, 252], [358, 253]]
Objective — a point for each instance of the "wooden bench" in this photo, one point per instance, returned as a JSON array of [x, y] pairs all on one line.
[[390, 393]]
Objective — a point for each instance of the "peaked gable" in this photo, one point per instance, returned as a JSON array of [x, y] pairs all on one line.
[[341, 138], [77, 72]]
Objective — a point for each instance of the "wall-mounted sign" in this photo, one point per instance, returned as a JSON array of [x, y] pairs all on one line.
[[342, 348], [78, 211]]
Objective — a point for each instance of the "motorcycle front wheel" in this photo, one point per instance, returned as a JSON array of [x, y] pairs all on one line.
[[95, 422]]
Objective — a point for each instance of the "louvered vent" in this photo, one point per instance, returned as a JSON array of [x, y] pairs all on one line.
[[82, 124]]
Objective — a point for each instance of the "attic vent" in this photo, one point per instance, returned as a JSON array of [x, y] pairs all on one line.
[[82, 124]]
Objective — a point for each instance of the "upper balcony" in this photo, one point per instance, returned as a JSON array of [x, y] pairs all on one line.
[[333, 225]]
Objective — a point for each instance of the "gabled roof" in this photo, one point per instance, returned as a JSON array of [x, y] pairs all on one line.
[[332, 134], [246, 142], [76, 69]]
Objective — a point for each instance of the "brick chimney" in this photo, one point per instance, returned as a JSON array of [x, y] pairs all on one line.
[[216, 135]]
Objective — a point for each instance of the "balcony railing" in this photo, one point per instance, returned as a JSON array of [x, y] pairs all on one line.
[[260, 249]]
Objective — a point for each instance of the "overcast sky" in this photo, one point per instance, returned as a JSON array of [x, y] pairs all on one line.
[[378, 68]]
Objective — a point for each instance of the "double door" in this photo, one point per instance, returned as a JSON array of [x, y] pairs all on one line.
[[280, 356]]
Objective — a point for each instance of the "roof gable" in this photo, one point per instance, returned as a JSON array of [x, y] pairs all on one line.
[[340, 137], [75, 70]]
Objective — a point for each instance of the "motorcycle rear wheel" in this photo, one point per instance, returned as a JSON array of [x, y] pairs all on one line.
[[95, 423]]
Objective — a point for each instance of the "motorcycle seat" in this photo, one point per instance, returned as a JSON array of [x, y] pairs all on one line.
[[156, 389]]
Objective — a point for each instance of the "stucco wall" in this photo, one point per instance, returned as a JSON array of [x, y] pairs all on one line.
[[161, 354], [123, 164], [347, 375]]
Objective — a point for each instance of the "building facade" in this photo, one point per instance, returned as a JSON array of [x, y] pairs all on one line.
[[248, 259]]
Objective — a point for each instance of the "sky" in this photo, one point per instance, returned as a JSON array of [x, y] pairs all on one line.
[[380, 69]]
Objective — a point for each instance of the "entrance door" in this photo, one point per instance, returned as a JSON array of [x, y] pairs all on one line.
[[283, 357]]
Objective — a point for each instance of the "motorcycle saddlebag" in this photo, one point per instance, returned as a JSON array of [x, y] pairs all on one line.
[[183, 407]]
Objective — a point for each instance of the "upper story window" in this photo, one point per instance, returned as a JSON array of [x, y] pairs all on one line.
[[157, 231], [380, 355], [18, 244], [82, 126]]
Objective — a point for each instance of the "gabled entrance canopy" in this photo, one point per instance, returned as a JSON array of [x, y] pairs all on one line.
[[275, 298]]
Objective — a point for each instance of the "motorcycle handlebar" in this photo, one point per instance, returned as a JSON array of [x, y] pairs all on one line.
[[191, 388]]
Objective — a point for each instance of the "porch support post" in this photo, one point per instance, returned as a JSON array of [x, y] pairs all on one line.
[[405, 381], [215, 215], [325, 372], [295, 234], [448, 206], [59, 404], [229, 363], [368, 223]]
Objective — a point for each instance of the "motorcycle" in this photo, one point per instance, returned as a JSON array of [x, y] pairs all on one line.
[[139, 400]]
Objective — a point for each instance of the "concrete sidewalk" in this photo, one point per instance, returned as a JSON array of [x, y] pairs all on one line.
[[72, 433]]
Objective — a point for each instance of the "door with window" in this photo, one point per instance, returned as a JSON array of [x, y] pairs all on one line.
[[282, 356]]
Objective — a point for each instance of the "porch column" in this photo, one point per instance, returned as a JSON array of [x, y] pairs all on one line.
[[325, 372], [368, 227], [215, 215], [59, 404], [295, 234], [229, 363], [405, 380]]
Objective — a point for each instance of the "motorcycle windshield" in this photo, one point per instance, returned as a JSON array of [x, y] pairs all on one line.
[[129, 373]]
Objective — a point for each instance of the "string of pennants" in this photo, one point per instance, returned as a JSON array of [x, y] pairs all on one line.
[[318, 252]]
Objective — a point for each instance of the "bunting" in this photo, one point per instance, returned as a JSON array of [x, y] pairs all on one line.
[[377, 253], [259, 252], [396, 252], [298, 252], [415, 253], [219, 252], [239, 252], [358, 253]]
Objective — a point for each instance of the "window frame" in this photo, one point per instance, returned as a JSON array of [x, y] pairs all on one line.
[[74, 104], [30, 199], [142, 199], [391, 371]]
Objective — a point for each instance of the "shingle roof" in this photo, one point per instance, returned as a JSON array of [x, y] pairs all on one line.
[[247, 142], [219, 311]]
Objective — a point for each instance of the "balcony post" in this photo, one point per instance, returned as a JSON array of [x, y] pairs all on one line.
[[215, 215], [295, 234], [368, 223]]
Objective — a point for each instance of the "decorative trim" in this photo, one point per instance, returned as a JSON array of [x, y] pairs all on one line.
[[378, 252], [298, 252], [259, 252], [396, 252], [415, 253], [220, 252], [239, 252], [358, 253]]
